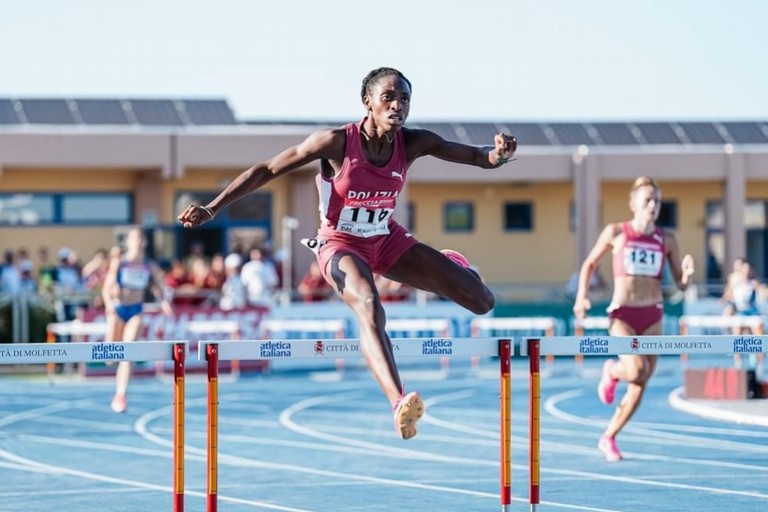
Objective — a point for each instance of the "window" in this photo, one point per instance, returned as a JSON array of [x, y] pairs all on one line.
[[458, 217], [96, 208], [668, 215], [253, 208], [79, 208], [518, 216], [411, 217], [26, 209]]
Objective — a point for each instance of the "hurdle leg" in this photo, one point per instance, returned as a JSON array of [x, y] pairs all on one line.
[[505, 395], [213, 426], [549, 358], [236, 363], [534, 435], [179, 369], [50, 368]]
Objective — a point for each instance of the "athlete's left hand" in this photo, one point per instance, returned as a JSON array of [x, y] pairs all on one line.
[[506, 145], [687, 265]]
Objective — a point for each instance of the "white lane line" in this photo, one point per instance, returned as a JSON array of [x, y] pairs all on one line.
[[40, 411], [142, 427], [677, 401], [649, 435], [286, 419], [62, 470]]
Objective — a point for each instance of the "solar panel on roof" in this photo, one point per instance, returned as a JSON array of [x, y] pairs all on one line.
[[8, 113], [209, 112], [156, 112], [47, 112], [615, 133], [480, 133], [529, 134], [746, 133], [658, 133], [101, 111], [571, 133], [702, 133], [445, 130]]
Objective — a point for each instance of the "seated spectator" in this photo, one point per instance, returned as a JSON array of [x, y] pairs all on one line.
[[313, 287]]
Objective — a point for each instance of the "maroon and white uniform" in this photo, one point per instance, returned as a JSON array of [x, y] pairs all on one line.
[[639, 255], [357, 205]]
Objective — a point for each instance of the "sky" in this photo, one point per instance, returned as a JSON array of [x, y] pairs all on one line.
[[471, 60]]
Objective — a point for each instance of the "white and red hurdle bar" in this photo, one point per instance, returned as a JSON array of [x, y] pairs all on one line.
[[216, 351], [535, 348], [87, 352]]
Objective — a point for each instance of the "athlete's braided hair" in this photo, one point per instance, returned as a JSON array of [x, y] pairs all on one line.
[[374, 76]]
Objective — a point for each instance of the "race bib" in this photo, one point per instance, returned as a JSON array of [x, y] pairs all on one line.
[[134, 277], [640, 261], [364, 222]]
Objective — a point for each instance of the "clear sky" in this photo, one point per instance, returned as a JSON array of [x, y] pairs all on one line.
[[468, 60]]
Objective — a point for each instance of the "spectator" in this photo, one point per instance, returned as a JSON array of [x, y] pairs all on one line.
[[178, 283], [217, 273], [67, 276], [313, 287], [47, 275], [203, 286], [28, 281], [232, 291], [259, 278], [10, 275]]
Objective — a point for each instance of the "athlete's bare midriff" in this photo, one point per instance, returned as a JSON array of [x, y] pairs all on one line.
[[130, 296], [636, 291]]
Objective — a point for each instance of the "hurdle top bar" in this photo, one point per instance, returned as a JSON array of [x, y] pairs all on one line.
[[244, 350], [721, 321], [646, 345], [593, 322], [84, 352], [77, 328]]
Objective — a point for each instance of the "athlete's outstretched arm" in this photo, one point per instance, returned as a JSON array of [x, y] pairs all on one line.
[[424, 142], [604, 243], [328, 144]]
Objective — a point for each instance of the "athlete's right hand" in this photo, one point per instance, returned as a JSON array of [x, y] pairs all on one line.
[[580, 308], [194, 215]]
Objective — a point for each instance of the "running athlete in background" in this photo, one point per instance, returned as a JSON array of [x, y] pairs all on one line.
[[364, 166], [129, 277], [741, 295], [640, 249]]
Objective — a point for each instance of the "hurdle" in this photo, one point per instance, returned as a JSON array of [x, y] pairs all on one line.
[[85, 352], [704, 323], [216, 351], [521, 325], [77, 329], [589, 323], [305, 329], [203, 328], [419, 327], [754, 323], [535, 348]]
